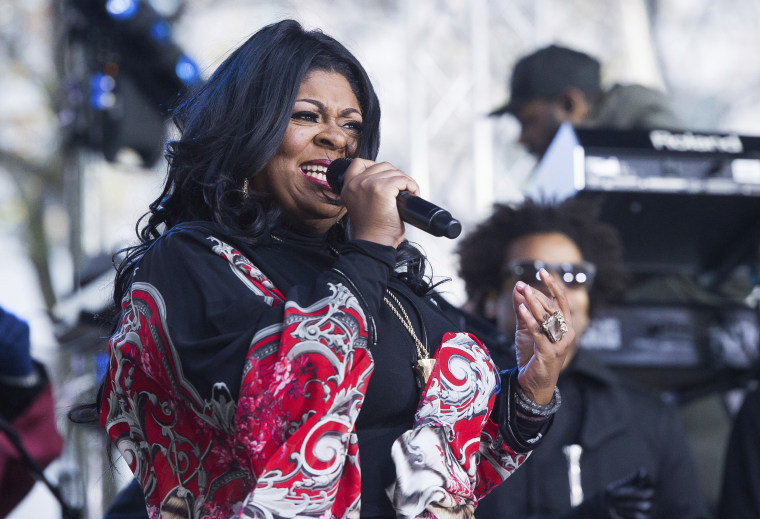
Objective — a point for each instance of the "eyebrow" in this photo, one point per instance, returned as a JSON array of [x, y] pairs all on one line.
[[321, 106]]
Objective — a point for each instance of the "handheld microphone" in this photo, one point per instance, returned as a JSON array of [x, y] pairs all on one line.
[[412, 209]]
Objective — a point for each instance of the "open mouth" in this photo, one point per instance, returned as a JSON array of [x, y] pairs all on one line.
[[316, 173]]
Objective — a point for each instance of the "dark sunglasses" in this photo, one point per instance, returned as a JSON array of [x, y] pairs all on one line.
[[572, 274]]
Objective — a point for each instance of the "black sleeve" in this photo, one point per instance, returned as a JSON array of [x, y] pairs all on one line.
[[129, 504], [678, 489], [520, 432], [740, 495]]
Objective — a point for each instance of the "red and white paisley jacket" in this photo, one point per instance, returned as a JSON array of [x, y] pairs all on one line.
[[285, 445]]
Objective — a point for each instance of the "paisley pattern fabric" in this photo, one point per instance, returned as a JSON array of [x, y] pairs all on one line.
[[438, 468], [287, 447], [305, 452], [179, 446]]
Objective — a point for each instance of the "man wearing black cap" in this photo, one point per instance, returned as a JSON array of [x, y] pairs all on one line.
[[556, 84]]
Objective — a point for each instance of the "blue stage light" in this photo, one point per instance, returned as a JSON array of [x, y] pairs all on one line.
[[121, 9], [102, 100], [102, 83], [160, 31], [101, 91], [186, 70]]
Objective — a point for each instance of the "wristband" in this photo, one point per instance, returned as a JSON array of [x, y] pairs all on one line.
[[529, 409]]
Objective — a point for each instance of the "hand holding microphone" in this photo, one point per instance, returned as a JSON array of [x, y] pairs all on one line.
[[412, 209]]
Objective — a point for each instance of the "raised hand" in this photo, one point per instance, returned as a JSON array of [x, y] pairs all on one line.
[[541, 350]]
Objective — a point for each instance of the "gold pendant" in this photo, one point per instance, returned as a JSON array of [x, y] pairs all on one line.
[[424, 369]]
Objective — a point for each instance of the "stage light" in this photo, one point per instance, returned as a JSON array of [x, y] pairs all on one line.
[[102, 100], [160, 31], [121, 9], [186, 70], [102, 96], [102, 82], [136, 75]]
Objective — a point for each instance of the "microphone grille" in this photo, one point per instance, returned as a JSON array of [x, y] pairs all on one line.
[[336, 173]]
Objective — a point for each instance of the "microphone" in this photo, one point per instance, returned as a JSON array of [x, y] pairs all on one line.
[[412, 209]]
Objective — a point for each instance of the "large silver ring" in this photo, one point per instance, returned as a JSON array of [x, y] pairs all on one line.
[[555, 327]]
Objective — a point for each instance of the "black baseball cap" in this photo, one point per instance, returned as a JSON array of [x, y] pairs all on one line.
[[547, 72]]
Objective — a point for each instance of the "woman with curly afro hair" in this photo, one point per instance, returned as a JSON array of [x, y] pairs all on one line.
[[625, 447]]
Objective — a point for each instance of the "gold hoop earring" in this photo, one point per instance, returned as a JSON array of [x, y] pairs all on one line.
[[245, 188]]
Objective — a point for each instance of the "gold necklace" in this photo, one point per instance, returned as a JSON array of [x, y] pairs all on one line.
[[424, 365]]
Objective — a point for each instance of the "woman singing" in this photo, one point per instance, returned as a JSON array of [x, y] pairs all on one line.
[[279, 352]]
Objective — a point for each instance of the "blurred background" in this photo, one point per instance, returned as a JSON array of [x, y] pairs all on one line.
[[84, 90]]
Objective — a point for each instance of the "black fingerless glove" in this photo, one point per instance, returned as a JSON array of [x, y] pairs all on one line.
[[630, 498]]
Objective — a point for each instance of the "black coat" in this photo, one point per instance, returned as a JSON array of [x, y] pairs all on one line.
[[740, 496], [620, 430]]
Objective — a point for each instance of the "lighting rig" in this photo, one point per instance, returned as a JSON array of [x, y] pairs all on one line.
[[122, 72]]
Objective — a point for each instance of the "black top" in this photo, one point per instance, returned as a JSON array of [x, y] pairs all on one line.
[[740, 495]]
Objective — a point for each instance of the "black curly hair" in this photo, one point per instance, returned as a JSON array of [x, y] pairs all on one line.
[[483, 251]]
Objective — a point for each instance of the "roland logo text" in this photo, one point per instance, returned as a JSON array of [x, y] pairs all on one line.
[[665, 140]]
